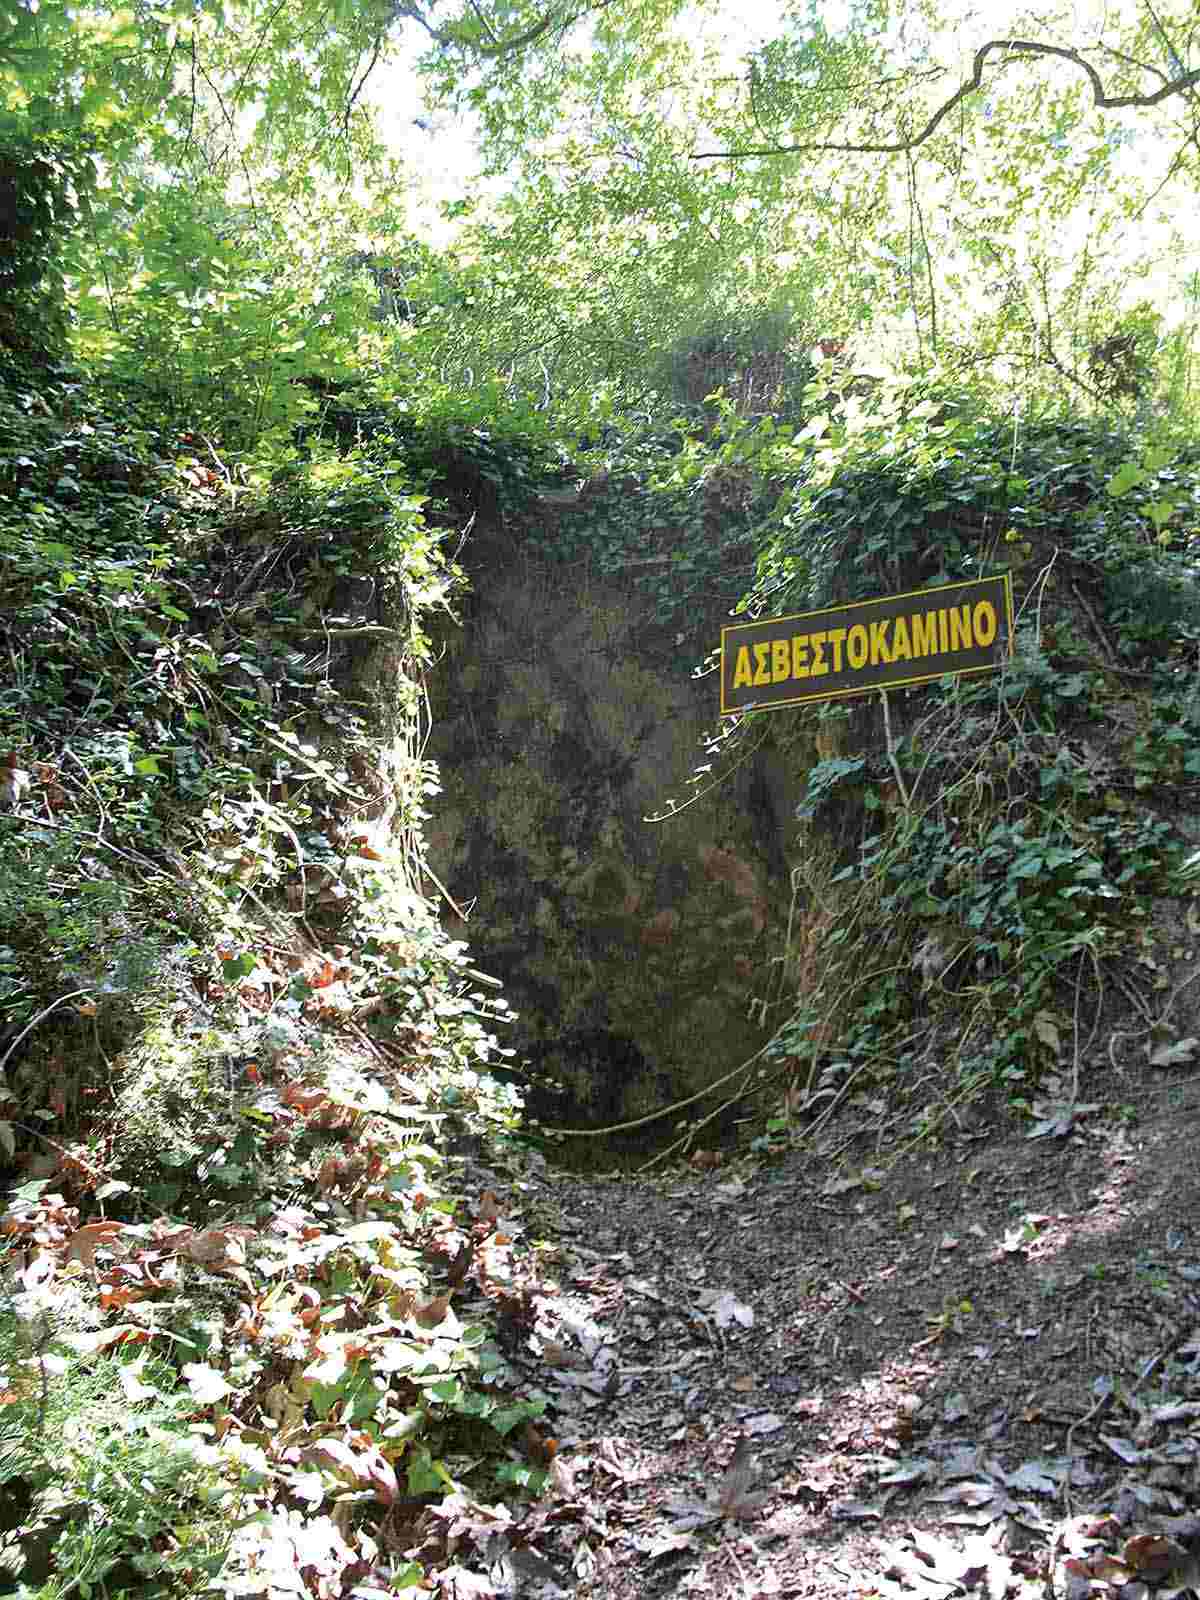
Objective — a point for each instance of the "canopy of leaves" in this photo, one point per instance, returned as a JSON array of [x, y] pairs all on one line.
[[996, 189]]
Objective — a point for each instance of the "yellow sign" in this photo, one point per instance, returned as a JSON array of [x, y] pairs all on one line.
[[957, 628]]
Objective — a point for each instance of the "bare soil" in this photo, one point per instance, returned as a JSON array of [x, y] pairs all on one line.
[[974, 1371]]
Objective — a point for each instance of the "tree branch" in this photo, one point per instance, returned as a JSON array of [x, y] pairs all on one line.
[[451, 38], [483, 22], [1132, 61], [1175, 58], [1012, 48], [232, 126], [362, 82]]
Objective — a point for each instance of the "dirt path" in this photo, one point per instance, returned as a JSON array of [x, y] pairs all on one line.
[[965, 1375]]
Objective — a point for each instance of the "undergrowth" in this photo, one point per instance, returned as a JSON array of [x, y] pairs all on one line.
[[968, 948], [235, 1042], [671, 509], [106, 1487], [251, 1314], [1009, 839]]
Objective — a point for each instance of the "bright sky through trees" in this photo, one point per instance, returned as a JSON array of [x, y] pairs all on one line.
[[441, 150], [945, 183]]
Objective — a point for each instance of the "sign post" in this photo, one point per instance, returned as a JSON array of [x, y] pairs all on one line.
[[867, 647]]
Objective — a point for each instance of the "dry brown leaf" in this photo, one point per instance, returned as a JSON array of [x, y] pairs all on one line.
[[433, 1312], [302, 1098], [174, 1240], [84, 1242], [1098, 1568], [561, 1355], [459, 1264], [1153, 1557], [216, 1246], [540, 1447], [116, 1298]]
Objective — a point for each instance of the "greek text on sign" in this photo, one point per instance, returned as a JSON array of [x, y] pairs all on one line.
[[867, 646]]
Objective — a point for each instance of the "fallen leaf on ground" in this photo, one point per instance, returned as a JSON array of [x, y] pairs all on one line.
[[85, 1241]]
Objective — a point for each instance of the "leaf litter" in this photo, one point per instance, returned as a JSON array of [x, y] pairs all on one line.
[[1043, 1438], [978, 1373]]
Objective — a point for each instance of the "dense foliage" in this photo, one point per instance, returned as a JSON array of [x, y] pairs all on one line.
[[790, 318], [228, 1013], [1010, 838], [1003, 198]]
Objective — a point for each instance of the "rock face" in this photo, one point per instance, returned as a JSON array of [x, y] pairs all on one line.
[[562, 718]]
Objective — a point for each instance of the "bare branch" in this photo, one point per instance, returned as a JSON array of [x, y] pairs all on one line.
[[232, 126], [367, 71], [1012, 49], [484, 23], [1176, 59], [413, 13], [452, 38], [1176, 163], [1132, 61], [258, 44]]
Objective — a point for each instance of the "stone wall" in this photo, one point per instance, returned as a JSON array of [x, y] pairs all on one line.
[[562, 718]]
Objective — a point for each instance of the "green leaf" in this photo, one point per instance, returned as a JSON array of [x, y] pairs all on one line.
[[1126, 477], [520, 1475], [425, 1474], [1160, 512], [237, 967], [508, 1417]]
